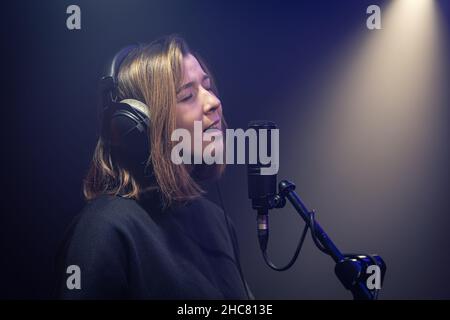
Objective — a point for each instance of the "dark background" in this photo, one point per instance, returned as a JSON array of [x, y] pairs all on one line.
[[262, 55]]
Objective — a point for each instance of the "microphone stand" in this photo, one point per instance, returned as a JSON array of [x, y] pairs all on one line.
[[351, 269]]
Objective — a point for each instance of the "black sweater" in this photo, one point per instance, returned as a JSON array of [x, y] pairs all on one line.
[[133, 250]]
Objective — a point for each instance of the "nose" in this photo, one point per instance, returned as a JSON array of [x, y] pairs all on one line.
[[210, 102]]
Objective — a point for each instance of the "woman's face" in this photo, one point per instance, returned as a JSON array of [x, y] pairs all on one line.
[[196, 101]]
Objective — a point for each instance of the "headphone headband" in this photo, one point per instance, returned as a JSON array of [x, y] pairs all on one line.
[[117, 60], [109, 81]]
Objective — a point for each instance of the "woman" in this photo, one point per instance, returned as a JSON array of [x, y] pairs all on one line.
[[147, 232]]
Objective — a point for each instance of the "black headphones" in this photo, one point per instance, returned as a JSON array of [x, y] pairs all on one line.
[[125, 123]]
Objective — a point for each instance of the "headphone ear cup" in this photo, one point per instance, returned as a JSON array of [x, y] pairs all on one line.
[[129, 138]]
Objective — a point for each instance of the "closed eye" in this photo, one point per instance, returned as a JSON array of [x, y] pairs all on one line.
[[206, 83], [186, 98]]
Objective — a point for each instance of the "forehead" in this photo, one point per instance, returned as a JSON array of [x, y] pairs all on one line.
[[191, 67]]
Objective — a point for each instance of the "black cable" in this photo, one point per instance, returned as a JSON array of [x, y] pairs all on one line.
[[294, 258], [233, 240], [309, 225]]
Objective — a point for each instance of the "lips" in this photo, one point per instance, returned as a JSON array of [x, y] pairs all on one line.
[[214, 125]]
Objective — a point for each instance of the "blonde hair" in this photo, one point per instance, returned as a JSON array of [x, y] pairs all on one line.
[[150, 73]]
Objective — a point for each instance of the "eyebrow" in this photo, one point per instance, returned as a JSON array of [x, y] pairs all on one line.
[[191, 83]]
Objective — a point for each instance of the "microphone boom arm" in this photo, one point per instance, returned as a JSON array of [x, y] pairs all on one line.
[[351, 269]]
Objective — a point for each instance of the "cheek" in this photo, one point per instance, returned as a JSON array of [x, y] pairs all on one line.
[[186, 115]]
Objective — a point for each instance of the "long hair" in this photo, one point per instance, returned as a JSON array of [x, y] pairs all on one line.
[[151, 73]]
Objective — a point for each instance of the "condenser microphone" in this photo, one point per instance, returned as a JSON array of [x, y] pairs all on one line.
[[262, 185]]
